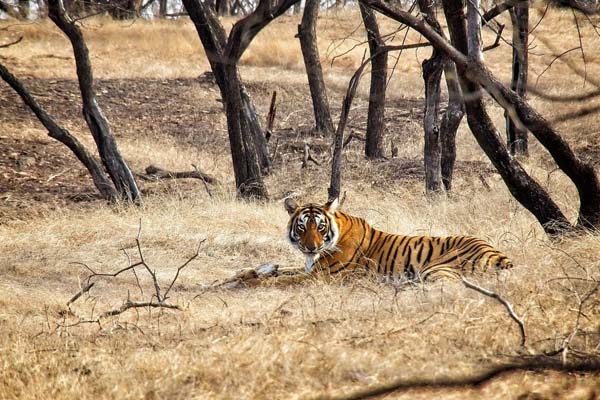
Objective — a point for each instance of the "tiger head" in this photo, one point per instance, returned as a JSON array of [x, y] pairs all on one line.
[[312, 229]]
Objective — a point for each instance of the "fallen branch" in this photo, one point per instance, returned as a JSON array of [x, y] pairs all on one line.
[[3, 46], [497, 41], [157, 300], [475, 380], [203, 181], [352, 136], [308, 157], [153, 172], [505, 303]]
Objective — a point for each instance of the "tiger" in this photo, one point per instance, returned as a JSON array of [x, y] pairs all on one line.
[[337, 243]]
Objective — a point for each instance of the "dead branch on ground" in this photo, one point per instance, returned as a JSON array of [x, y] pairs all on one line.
[[4, 46], [352, 135], [308, 157], [506, 304], [154, 173], [475, 380], [158, 299]]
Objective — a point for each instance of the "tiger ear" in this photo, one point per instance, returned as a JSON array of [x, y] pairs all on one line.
[[290, 205], [332, 205]]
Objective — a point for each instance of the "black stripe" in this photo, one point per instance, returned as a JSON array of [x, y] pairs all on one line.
[[379, 244], [387, 260], [361, 242], [408, 258], [429, 252], [382, 250], [392, 267]]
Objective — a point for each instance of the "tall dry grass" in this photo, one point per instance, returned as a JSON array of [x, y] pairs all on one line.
[[293, 342]]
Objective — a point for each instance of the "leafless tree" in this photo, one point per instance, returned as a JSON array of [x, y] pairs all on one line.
[[379, 60], [519, 15], [248, 144], [474, 76], [307, 33]]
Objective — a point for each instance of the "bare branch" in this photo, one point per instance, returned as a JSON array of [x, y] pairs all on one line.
[[154, 172], [506, 304], [3, 46], [336, 163], [308, 157], [474, 380]]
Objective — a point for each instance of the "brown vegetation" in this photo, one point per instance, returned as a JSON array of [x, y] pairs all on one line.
[[301, 342]]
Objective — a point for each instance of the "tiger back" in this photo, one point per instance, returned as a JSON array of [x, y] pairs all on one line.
[[338, 243]]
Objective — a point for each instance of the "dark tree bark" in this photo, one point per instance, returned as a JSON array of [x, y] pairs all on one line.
[[474, 75], [10, 10], [379, 59], [222, 7], [55, 131], [162, 8], [249, 151], [307, 33], [450, 122], [432, 75], [116, 167], [24, 9], [124, 9], [519, 15], [335, 182]]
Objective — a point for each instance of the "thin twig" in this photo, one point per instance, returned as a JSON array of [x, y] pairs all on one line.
[[506, 304], [3, 46]]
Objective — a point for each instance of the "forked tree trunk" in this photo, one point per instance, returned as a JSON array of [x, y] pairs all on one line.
[[379, 59], [162, 8], [450, 122], [519, 15], [249, 151], [307, 33], [116, 167]]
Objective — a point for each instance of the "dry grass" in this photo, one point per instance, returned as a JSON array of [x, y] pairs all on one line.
[[294, 342]]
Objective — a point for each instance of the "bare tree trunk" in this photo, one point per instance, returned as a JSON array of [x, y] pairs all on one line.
[[55, 131], [162, 8], [335, 182], [474, 34], [222, 7], [24, 9], [376, 115], [261, 146], [519, 15], [450, 122], [307, 33], [432, 75], [116, 167]]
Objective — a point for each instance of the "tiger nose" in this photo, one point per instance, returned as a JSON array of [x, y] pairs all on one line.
[[311, 247]]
